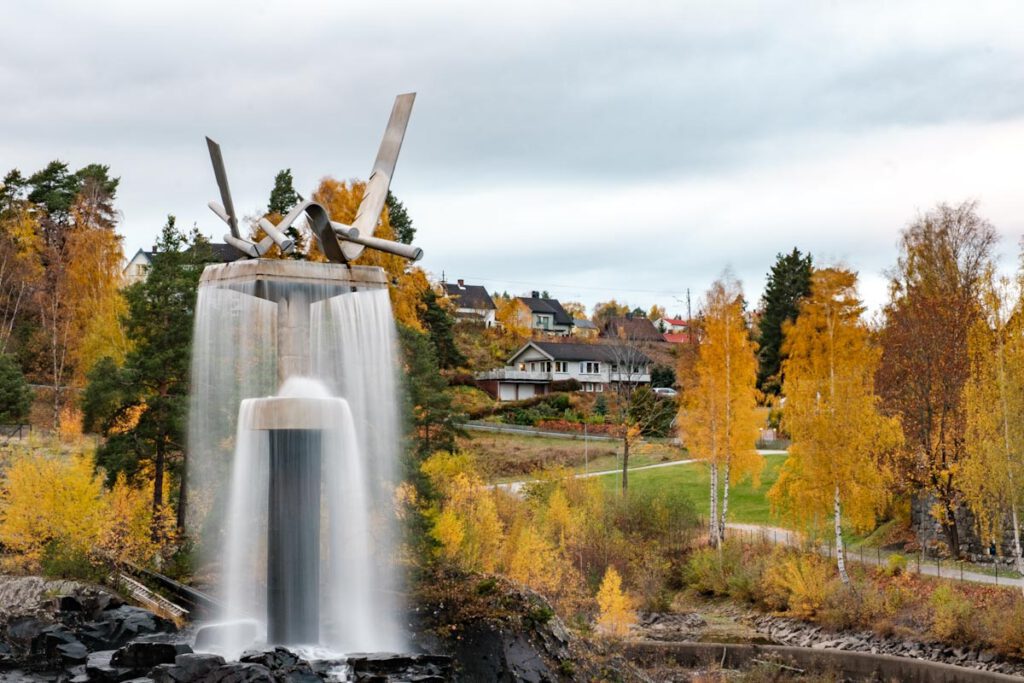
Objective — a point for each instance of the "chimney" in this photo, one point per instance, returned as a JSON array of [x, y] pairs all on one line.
[[535, 294], [462, 283]]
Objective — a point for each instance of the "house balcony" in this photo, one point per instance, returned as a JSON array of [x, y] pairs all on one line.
[[630, 377], [513, 375]]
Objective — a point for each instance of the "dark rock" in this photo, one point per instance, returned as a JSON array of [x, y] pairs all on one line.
[[57, 643], [23, 630], [239, 673], [489, 654], [118, 626], [385, 667], [145, 655], [284, 664], [68, 603], [99, 668], [186, 668]]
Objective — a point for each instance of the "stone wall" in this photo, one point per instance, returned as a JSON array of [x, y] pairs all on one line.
[[928, 532]]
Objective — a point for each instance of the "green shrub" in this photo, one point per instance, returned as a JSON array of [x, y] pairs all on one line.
[[952, 619], [706, 572], [895, 565], [61, 561]]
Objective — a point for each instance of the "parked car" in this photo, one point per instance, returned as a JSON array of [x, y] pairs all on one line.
[[666, 391]]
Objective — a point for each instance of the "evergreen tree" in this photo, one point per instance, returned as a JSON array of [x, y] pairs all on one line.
[[435, 422], [440, 326], [788, 283], [401, 222], [15, 395], [144, 406], [283, 197]]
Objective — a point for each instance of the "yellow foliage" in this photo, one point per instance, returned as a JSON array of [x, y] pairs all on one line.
[[797, 582], [831, 411], [54, 497], [46, 497], [513, 315], [616, 609], [93, 292], [70, 423], [407, 284], [531, 559]]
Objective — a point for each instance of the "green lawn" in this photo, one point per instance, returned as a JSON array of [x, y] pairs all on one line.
[[746, 503]]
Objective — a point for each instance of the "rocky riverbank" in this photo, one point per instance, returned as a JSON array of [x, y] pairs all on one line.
[[786, 631]]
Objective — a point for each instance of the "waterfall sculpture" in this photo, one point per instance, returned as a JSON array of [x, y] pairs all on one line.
[[308, 542]]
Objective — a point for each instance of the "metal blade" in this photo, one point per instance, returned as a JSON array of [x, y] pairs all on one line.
[[384, 166], [222, 183]]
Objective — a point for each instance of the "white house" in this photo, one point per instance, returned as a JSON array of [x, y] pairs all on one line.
[[597, 367], [138, 267], [673, 325], [472, 302]]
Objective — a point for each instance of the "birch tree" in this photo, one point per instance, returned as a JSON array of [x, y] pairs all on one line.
[[718, 420], [831, 412], [993, 467]]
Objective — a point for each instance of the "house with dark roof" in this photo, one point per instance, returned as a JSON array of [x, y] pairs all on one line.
[[633, 328], [137, 268], [472, 302], [547, 315], [533, 369], [583, 328]]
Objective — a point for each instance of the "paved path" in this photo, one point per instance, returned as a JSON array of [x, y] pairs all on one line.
[[946, 570]]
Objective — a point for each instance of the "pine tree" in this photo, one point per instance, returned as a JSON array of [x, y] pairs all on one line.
[[400, 220], [440, 326], [789, 281], [15, 395], [718, 419], [435, 422], [149, 395], [839, 436]]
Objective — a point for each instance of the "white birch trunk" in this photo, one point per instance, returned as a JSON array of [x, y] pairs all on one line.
[[1016, 542], [725, 500], [713, 523], [840, 553]]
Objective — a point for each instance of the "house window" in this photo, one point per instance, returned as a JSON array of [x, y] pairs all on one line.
[[599, 388], [547, 366], [590, 367], [561, 366]]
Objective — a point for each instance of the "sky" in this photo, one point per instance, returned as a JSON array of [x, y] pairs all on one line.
[[590, 149]]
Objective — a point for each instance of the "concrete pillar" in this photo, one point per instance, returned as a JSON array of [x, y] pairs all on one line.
[[293, 335], [293, 537]]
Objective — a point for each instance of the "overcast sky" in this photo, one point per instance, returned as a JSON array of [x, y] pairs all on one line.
[[590, 149]]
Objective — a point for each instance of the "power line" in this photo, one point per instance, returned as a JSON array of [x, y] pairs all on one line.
[[549, 285]]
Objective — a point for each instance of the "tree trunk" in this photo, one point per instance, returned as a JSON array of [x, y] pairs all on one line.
[[625, 464], [158, 477], [840, 552], [183, 495], [713, 519], [725, 500], [950, 531], [1016, 541]]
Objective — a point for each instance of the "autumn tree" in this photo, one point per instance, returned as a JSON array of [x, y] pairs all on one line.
[[789, 281], [933, 305], [407, 282], [993, 464], [639, 411], [616, 613], [839, 435], [513, 316], [606, 310], [143, 405], [718, 421], [575, 309]]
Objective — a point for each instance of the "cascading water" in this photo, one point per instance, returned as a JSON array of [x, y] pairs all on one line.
[[347, 445]]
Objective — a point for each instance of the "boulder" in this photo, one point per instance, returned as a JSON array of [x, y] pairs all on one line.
[[118, 626], [99, 668], [187, 668], [57, 643], [143, 654], [214, 636]]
